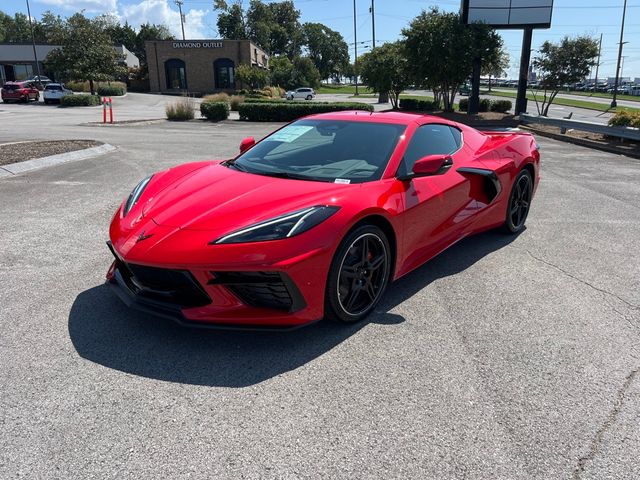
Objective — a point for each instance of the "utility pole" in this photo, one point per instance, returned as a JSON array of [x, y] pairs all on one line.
[[614, 103], [525, 56], [595, 85], [33, 42], [373, 24], [179, 3], [355, 38]]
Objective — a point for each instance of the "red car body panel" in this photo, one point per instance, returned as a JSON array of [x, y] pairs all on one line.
[[185, 208]]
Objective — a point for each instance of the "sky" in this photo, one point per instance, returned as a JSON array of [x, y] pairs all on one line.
[[570, 17]]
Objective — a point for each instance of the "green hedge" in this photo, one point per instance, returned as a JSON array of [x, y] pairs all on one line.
[[264, 100], [111, 91], [80, 100], [214, 111], [286, 112], [502, 106], [418, 105]]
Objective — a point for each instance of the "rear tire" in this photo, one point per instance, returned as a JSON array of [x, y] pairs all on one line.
[[309, 97], [358, 276], [519, 203]]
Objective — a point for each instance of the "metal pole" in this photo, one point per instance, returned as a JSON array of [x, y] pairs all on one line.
[[33, 42], [179, 4], [373, 25], [525, 56], [595, 85], [355, 38], [614, 103]]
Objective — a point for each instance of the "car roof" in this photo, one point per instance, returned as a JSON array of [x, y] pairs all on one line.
[[402, 118]]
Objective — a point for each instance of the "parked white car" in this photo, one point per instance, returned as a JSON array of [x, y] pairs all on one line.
[[304, 93], [53, 92]]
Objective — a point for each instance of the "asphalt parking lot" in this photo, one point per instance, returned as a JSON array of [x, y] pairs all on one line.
[[503, 358]]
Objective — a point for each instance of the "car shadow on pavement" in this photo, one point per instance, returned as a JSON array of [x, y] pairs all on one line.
[[103, 330]]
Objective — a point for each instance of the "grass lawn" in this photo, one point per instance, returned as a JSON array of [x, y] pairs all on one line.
[[350, 89], [630, 98], [567, 102]]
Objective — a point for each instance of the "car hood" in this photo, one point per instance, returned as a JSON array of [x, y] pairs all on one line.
[[219, 199]]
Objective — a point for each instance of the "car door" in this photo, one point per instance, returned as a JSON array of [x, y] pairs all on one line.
[[437, 207]]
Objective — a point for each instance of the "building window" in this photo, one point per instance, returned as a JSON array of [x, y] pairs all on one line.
[[22, 72], [224, 70], [176, 74]]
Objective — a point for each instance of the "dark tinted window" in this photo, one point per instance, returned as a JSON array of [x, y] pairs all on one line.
[[53, 87], [430, 140]]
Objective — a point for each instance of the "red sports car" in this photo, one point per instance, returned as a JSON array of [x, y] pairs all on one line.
[[315, 219]]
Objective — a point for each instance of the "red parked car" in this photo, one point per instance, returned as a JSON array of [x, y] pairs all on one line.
[[19, 92], [315, 219]]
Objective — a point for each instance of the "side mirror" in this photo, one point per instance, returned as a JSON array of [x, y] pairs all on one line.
[[431, 165], [246, 144]]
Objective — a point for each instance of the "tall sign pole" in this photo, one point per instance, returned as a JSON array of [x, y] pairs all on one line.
[[33, 42], [179, 4], [595, 84], [373, 24], [523, 77], [614, 103], [355, 39]]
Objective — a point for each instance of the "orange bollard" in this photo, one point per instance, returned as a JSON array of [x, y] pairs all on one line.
[[110, 110], [104, 110]]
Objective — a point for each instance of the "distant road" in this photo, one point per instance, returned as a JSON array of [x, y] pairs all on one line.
[[586, 98]]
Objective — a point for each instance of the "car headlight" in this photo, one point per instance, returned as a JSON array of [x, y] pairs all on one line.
[[135, 195], [283, 226]]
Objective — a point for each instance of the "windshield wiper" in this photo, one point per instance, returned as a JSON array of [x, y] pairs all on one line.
[[236, 166], [293, 176]]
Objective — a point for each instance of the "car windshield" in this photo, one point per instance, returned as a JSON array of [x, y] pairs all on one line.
[[53, 87], [324, 150]]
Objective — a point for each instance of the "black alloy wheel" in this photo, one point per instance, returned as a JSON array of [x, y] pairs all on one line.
[[519, 202], [358, 276]]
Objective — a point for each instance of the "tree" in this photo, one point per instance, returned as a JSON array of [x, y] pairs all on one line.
[[16, 29], [50, 28], [301, 72], [148, 32], [327, 49], [440, 51], [87, 52], [566, 62], [497, 66], [274, 26], [253, 76], [384, 70], [231, 20]]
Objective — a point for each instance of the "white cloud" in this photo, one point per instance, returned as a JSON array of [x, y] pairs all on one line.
[[89, 6], [159, 12]]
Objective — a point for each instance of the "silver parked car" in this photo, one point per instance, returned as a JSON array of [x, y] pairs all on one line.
[[304, 93]]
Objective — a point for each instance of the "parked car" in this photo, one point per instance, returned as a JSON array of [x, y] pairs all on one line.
[[305, 93], [19, 92], [39, 81], [465, 89], [53, 92], [321, 231]]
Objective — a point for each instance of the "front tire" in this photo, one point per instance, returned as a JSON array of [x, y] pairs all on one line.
[[358, 275], [519, 203]]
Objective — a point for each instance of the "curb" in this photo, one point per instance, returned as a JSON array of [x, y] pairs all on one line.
[[582, 142], [52, 160]]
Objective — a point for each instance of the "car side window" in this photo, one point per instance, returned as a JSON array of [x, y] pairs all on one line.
[[432, 139]]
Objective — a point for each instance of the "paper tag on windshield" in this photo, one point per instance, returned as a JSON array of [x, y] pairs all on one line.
[[342, 180], [289, 134]]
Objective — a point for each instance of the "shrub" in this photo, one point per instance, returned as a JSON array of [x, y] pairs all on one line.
[[214, 111], [418, 105], [216, 97], [485, 105], [78, 86], [181, 110], [235, 101], [463, 104], [625, 118], [111, 90], [264, 100], [80, 101], [286, 112], [501, 106]]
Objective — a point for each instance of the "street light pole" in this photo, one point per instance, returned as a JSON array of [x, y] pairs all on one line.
[[614, 103], [179, 3], [595, 84], [355, 38], [33, 42], [373, 24]]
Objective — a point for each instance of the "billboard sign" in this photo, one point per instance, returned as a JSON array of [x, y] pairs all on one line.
[[508, 13]]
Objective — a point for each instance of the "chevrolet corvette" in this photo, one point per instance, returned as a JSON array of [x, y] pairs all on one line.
[[314, 220]]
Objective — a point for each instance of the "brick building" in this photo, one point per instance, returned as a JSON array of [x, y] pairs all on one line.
[[199, 66]]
